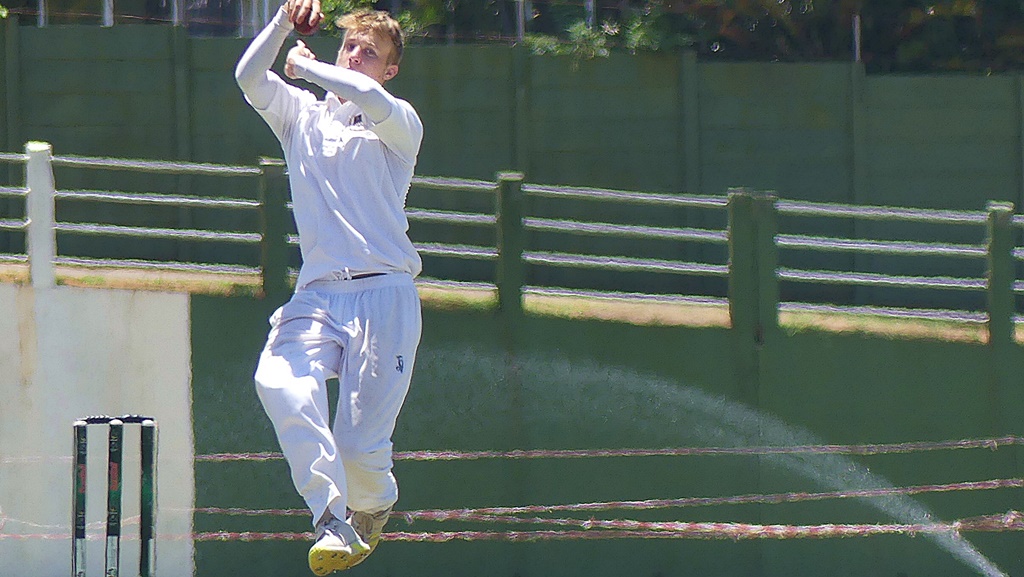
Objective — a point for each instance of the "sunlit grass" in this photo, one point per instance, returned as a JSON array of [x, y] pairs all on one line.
[[624, 310]]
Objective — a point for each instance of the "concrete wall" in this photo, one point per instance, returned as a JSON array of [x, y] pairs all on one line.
[[69, 353]]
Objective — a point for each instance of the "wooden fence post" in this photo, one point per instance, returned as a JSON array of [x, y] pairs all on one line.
[[510, 278], [41, 235], [511, 241], [689, 102], [1001, 274], [742, 268], [753, 286], [273, 228], [178, 53], [767, 255], [753, 259], [521, 75]]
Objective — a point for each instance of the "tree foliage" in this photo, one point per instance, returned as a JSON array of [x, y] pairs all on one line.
[[895, 35]]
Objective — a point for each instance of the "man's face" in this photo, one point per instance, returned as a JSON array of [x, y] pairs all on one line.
[[365, 52]]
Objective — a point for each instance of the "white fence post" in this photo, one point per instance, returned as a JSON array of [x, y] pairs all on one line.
[[177, 12], [520, 20], [42, 238], [42, 14], [108, 13]]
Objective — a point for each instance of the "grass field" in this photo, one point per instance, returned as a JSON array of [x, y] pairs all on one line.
[[633, 311]]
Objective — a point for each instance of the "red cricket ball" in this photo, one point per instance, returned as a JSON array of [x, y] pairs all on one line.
[[305, 28]]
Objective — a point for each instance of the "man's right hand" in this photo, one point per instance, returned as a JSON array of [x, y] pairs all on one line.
[[300, 49], [303, 11]]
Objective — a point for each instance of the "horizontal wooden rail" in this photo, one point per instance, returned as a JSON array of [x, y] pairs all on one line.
[[755, 246]]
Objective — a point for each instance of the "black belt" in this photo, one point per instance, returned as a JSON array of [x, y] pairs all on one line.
[[367, 275]]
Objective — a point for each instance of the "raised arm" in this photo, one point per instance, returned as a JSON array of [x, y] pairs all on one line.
[[253, 71]]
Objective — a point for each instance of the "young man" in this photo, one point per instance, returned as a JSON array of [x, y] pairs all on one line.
[[355, 312]]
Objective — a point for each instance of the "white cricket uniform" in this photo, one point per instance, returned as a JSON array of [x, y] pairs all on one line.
[[350, 165]]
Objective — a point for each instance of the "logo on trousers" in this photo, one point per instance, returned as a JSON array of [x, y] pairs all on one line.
[[401, 364]]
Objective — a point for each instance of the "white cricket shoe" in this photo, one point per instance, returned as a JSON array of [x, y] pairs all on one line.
[[368, 526], [337, 547]]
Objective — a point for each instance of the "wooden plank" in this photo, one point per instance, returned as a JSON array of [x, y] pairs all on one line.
[[690, 120], [423, 63], [587, 103], [220, 54], [97, 110], [520, 89], [769, 81], [944, 157], [946, 91], [10, 112], [12, 87], [98, 77], [94, 43], [5, 63], [613, 137], [809, 146], [653, 71], [134, 141], [923, 126], [180, 93], [628, 169]]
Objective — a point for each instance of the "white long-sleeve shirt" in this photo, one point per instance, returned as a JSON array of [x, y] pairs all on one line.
[[350, 164]]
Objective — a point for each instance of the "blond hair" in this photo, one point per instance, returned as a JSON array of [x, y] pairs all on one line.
[[378, 23]]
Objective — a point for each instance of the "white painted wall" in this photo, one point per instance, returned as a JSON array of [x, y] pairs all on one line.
[[71, 352]]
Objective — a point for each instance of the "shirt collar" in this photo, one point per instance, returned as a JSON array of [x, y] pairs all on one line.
[[335, 106]]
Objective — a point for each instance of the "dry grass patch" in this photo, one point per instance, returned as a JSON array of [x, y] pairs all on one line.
[[214, 283], [634, 311], [839, 322]]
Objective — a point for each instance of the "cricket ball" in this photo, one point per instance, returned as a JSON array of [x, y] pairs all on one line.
[[305, 28]]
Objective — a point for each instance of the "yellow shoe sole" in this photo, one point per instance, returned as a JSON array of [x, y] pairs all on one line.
[[360, 557], [326, 561]]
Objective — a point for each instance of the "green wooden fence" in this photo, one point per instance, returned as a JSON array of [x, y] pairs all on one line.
[[514, 224]]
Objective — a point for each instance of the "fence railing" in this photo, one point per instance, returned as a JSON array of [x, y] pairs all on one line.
[[531, 234]]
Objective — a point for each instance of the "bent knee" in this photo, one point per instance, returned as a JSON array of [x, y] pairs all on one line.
[[273, 372], [372, 460]]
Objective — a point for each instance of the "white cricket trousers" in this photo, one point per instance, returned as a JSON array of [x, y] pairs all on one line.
[[365, 332]]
